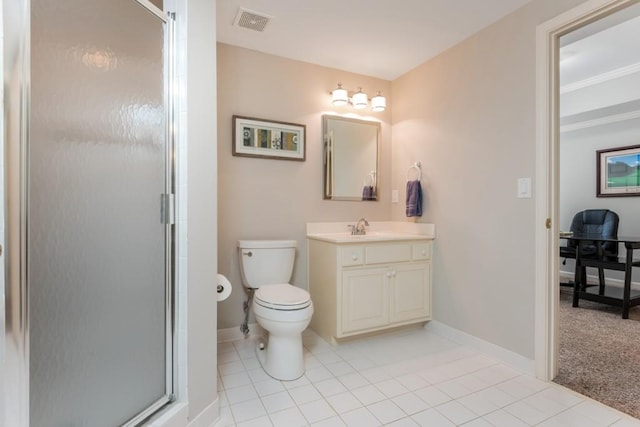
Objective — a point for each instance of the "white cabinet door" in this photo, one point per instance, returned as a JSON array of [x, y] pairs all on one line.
[[410, 292], [365, 299]]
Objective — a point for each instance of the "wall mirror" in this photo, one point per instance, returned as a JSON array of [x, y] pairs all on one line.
[[350, 158]]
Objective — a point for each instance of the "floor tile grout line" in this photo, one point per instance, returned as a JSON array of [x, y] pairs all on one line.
[[466, 375]]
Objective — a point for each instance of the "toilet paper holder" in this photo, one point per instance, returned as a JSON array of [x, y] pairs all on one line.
[[223, 287]]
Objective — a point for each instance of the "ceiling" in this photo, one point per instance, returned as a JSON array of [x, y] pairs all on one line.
[[600, 62], [600, 71], [608, 44], [381, 38]]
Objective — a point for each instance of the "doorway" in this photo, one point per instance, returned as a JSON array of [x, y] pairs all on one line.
[[89, 311], [548, 172], [599, 110]]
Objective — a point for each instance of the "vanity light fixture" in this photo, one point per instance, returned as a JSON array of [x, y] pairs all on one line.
[[378, 102], [359, 100], [339, 96]]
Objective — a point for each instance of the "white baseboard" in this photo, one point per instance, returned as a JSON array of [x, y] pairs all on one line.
[[208, 417], [510, 358], [234, 334], [592, 278]]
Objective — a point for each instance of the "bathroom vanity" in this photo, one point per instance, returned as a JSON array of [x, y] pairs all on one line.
[[374, 282]]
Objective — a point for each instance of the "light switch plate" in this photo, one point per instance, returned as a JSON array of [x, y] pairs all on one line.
[[394, 196], [524, 188]]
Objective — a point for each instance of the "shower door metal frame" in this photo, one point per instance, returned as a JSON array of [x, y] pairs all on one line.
[[14, 319], [16, 39]]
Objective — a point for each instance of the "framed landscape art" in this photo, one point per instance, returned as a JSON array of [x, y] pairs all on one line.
[[618, 172]]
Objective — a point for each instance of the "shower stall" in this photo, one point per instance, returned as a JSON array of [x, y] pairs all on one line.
[[89, 229]]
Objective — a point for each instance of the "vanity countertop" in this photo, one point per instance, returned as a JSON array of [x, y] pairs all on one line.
[[369, 237], [377, 232]]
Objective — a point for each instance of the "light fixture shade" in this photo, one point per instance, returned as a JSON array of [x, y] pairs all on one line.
[[359, 100], [339, 96], [378, 102]]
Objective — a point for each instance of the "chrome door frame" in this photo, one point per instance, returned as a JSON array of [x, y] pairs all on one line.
[[15, 371]]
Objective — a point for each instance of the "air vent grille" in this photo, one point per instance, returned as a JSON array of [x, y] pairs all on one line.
[[251, 20]]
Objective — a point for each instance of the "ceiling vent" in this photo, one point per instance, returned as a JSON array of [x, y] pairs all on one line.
[[251, 20]]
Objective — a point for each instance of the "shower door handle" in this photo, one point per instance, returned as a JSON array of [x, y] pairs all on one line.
[[167, 208]]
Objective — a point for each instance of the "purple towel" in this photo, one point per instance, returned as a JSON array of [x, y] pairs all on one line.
[[414, 198], [368, 193]]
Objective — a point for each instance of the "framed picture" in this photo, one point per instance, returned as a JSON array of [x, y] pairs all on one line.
[[618, 171], [268, 138]]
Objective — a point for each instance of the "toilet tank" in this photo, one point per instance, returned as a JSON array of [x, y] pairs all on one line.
[[266, 262]]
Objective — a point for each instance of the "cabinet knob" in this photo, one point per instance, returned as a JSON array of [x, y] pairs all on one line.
[[388, 274], [424, 252], [354, 257]]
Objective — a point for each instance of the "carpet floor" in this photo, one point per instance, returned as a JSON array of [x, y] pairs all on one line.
[[600, 353]]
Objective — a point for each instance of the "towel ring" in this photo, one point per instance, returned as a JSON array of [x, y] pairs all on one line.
[[415, 166]]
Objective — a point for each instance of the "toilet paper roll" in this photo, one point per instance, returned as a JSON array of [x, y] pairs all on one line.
[[224, 288]]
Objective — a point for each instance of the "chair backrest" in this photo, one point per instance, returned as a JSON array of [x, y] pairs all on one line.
[[597, 221]]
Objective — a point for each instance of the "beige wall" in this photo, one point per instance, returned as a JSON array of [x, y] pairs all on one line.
[[274, 199], [578, 166], [469, 116]]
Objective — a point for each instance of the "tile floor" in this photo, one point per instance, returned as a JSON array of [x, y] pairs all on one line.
[[411, 378]]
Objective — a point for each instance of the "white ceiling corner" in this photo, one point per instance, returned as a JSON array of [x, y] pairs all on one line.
[[600, 72]]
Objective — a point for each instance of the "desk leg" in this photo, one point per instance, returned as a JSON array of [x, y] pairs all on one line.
[[601, 281], [577, 279], [627, 285]]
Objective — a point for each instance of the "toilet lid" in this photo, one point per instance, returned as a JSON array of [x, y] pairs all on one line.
[[282, 297]]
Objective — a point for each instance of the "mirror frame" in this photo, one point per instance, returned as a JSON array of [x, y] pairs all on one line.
[[325, 122]]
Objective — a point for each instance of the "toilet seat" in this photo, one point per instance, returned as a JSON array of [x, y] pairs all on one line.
[[283, 297]]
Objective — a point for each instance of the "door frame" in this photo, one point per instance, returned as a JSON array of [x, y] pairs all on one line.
[[547, 169]]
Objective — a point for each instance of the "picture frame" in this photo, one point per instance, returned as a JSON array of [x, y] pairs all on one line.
[[254, 137], [618, 171]]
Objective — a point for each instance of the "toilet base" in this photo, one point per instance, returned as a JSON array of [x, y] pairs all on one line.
[[282, 357]]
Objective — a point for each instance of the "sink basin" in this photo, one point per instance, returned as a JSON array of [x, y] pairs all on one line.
[[371, 236], [376, 234]]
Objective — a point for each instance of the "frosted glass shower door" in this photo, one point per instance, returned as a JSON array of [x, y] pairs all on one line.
[[98, 252]]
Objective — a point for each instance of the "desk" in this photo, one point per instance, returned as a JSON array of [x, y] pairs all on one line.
[[611, 295]]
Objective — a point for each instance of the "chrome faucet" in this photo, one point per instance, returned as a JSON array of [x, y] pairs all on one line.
[[358, 229]]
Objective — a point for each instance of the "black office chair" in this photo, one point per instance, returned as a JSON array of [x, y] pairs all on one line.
[[593, 221]]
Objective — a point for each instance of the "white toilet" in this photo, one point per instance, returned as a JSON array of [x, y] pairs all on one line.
[[283, 310]]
